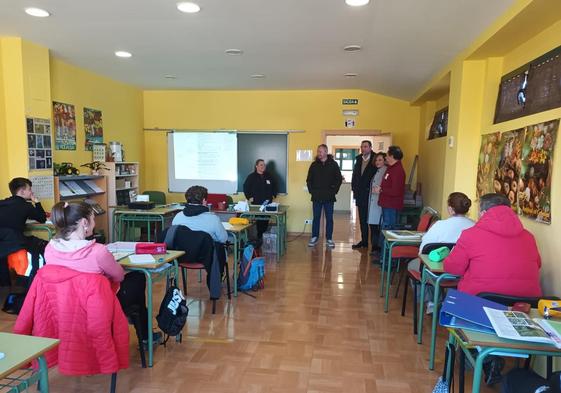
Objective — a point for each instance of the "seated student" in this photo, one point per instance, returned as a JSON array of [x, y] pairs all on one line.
[[74, 223], [497, 254], [197, 217]]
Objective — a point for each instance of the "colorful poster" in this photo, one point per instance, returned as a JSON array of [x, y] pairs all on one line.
[[93, 126], [534, 188], [510, 164], [39, 143], [488, 164], [64, 119]]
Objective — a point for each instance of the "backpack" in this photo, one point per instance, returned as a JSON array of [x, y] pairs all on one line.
[[252, 270], [521, 380], [173, 311]]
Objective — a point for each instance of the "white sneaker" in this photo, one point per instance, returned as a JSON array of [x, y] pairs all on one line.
[[330, 243], [430, 307], [313, 241]]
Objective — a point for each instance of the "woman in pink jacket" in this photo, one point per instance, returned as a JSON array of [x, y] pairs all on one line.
[[497, 254]]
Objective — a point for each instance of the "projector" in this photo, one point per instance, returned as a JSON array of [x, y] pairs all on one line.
[[141, 205]]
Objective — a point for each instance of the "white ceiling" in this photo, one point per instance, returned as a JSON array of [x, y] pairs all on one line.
[[297, 44]]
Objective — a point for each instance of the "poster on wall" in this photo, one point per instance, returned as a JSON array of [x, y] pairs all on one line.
[[534, 188], [39, 145], [93, 126], [64, 118], [488, 162], [510, 164]]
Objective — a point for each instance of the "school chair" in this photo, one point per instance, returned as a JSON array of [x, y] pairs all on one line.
[[158, 197]]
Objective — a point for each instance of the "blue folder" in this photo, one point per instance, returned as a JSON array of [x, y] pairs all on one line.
[[464, 311]]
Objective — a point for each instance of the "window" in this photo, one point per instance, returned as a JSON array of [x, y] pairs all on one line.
[[345, 157]]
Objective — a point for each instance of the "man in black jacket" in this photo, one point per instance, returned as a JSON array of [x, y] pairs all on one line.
[[363, 172], [323, 181]]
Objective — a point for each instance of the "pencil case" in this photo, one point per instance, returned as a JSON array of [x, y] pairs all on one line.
[[439, 254], [238, 221], [150, 248], [553, 307]]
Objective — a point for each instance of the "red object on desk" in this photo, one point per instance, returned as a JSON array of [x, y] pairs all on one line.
[[150, 248], [521, 306], [219, 201]]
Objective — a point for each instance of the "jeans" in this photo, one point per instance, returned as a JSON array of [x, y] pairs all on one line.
[[327, 207], [389, 221]]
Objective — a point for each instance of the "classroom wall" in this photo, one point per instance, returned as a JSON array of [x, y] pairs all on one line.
[[310, 110], [3, 130], [121, 107]]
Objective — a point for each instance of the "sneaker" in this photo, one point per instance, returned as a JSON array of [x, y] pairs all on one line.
[[359, 245], [313, 241], [330, 243], [156, 340], [430, 307]]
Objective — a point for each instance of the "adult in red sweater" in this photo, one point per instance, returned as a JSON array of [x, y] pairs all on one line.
[[392, 189], [497, 254]]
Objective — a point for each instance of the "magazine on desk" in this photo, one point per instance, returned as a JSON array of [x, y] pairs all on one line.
[[404, 234], [515, 325]]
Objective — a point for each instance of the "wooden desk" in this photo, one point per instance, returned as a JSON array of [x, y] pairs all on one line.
[[125, 216], [44, 231], [491, 344], [239, 233], [389, 243], [155, 272], [433, 273], [20, 350]]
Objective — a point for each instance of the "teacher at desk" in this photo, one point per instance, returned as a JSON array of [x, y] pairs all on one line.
[[259, 186]]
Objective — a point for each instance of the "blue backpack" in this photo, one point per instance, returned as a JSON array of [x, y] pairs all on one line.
[[252, 270]]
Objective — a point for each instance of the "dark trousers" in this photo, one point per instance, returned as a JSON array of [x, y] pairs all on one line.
[[363, 218], [327, 207], [132, 293], [389, 220], [262, 226], [375, 236]]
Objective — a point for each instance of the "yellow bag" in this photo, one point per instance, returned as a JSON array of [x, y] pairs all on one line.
[[238, 221], [553, 307]]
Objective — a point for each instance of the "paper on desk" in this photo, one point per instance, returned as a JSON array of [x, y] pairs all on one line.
[[118, 255], [141, 258], [121, 247]]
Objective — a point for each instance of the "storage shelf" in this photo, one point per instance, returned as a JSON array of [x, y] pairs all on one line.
[[126, 188], [85, 177], [131, 175], [73, 196]]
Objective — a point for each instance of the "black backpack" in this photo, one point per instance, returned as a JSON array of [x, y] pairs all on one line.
[[173, 312]]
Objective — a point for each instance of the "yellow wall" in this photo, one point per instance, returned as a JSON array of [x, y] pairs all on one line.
[[121, 107], [309, 110], [3, 131]]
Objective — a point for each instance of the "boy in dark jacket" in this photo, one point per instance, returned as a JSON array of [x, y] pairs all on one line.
[[323, 181]]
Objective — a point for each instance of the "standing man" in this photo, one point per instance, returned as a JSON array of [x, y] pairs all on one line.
[[363, 172], [323, 181], [392, 189]]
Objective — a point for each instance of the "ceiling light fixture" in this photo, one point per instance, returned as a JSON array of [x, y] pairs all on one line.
[[233, 52], [38, 12], [122, 53], [351, 75], [357, 3], [188, 7], [257, 76], [352, 48]]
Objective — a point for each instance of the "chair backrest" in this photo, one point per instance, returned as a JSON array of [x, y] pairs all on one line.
[[158, 197], [427, 218], [508, 300], [198, 245], [433, 246]]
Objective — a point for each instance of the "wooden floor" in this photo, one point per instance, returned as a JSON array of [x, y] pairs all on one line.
[[318, 326]]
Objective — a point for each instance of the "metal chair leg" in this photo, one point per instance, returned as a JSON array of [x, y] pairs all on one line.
[[404, 303], [228, 281], [184, 279], [113, 382], [401, 277], [415, 310]]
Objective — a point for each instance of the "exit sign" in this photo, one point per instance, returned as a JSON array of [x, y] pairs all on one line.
[[350, 101]]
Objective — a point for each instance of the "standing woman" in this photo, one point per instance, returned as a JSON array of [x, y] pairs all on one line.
[[374, 210], [259, 187]]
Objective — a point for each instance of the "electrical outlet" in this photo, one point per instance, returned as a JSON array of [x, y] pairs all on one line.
[[308, 221]]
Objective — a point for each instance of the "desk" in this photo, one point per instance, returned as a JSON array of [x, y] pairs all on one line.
[[158, 270], [20, 350], [125, 216], [239, 233], [279, 217], [389, 243], [432, 272], [490, 344], [48, 229]]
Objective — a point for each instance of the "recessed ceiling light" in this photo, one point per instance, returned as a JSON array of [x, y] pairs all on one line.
[[352, 48], [257, 76], [233, 52], [188, 7], [38, 12], [122, 53], [351, 75], [357, 3], [170, 76]]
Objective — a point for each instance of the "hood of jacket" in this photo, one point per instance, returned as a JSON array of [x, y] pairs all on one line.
[[194, 210], [56, 274], [501, 220]]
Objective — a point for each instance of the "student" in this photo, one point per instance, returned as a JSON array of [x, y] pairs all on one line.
[[497, 254], [74, 223], [363, 172], [21, 206], [259, 186], [374, 210], [392, 189], [323, 181], [197, 217]]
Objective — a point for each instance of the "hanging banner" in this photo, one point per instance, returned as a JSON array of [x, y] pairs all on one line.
[[64, 119], [510, 165], [93, 127], [488, 162]]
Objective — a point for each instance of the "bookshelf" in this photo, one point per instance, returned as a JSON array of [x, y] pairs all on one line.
[[81, 188]]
